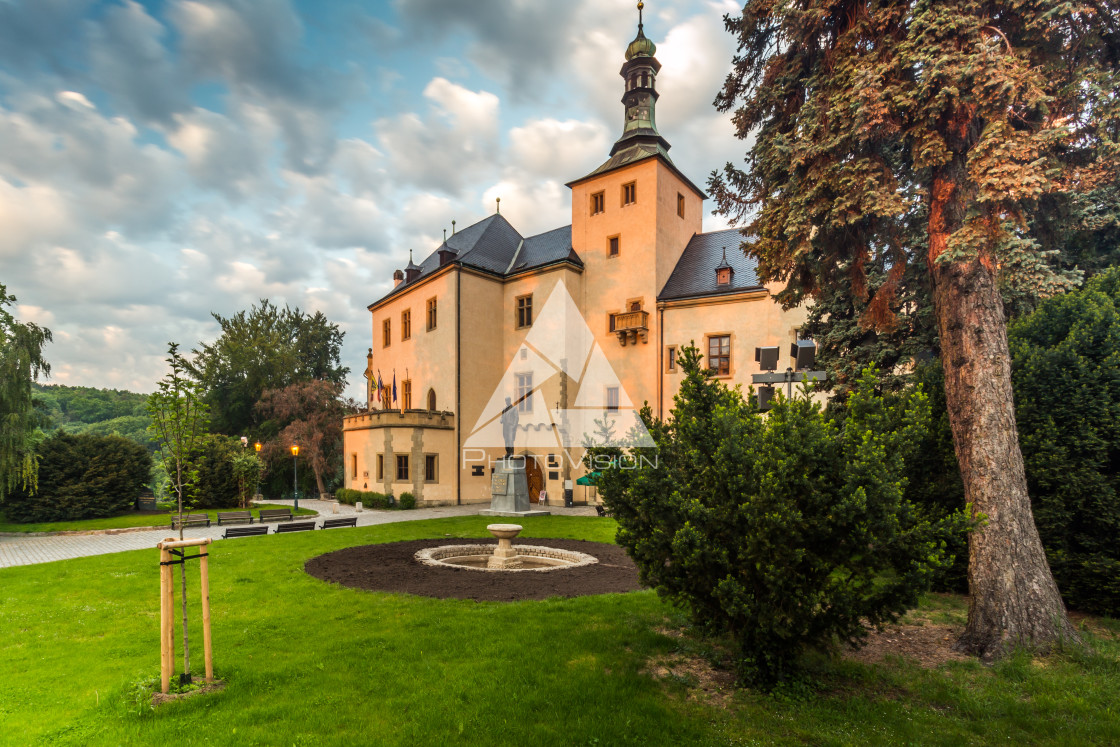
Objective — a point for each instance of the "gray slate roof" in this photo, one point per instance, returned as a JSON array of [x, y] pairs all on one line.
[[695, 273], [492, 244]]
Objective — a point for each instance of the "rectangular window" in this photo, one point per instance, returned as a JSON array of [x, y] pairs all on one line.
[[525, 311], [629, 193], [478, 470], [680, 204], [597, 202], [354, 466], [402, 467], [406, 324], [671, 359], [380, 466], [612, 246], [553, 461], [611, 321], [612, 399], [719, 355], [386, 333], [525, 392], [431, 314], [406, 394], [431, 471]]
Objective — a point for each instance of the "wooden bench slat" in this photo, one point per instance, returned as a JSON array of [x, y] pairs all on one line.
[[245, 531], [295, 526], [276, 514], [191, 520], [232, 516]]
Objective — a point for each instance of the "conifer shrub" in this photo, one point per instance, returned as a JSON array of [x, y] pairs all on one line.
[[215, 484], [1066, 376], [407, 501], [785, 531], [82, 476]]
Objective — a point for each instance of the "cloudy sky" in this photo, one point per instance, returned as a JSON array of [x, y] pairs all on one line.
[[161, 160]]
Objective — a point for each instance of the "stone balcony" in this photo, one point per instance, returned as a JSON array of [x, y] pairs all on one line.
[[631, 326], [438, 419]]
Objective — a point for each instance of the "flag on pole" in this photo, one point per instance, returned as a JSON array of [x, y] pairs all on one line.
[[380, 386], [394, 386]]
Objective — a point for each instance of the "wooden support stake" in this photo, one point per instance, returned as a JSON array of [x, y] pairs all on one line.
[[167, 609], [204, 571], [166, 654]]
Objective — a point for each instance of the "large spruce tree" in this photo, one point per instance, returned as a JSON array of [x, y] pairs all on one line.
[[867, 115]]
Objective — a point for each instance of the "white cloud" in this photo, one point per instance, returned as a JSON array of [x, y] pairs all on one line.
[[221, 154], [455, 142], [129, 61], [551, 148], [158, 162]]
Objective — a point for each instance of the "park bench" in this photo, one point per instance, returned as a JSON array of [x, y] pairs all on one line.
[[191, 520], [295, 526], [347, 521], [231, 517], [276, 514], [245, 531], [601, 510]]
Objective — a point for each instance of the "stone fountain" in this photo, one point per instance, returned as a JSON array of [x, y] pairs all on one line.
[[504, 557]]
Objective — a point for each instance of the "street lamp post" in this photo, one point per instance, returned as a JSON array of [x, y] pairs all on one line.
[[257, 487], [295, 474]]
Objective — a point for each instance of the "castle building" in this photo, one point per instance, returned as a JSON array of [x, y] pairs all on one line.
[[570, 328]]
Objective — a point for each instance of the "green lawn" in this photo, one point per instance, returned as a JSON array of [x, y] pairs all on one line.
[[312, 663], [130, 519]]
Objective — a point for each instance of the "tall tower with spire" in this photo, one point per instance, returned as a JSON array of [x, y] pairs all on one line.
[[631, 220], [640, 94]]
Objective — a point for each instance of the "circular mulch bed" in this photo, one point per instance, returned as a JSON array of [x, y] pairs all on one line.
[[392, 567]]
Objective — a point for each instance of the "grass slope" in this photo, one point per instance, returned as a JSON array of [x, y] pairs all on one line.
[[130, 519], [312, 663]]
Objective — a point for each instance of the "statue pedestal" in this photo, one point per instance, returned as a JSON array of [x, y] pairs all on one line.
[[509, 490]]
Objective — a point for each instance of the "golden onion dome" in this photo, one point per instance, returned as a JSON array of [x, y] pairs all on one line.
[[641, 46]]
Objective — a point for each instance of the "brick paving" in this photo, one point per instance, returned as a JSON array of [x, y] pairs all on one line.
[[47, 548]]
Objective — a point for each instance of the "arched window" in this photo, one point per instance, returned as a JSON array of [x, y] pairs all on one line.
[[432, 400]]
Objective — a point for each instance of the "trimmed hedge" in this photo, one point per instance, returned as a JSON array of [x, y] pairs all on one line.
[[408, 501], [369, 499], [82, 476]]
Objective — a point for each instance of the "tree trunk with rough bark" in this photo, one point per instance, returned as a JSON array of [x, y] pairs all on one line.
[[1013, 598]]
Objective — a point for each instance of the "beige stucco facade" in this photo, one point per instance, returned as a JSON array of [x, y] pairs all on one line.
[[645, 279]]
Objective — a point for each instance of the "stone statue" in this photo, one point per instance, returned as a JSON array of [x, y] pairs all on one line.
[[510, 419]]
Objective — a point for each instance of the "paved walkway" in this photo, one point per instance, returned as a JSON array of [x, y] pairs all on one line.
[[48, 548]]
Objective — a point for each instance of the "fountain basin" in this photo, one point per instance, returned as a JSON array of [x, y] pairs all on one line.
[[530, 558]]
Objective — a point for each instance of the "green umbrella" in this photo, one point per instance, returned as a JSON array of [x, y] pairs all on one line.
[[588, 479]]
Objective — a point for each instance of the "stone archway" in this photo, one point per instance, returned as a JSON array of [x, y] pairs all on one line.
[[534, 476]]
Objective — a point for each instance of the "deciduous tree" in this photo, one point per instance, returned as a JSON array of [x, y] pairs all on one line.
[[865, 114], [263, 348], [179, 424], [312, 413], [21, 362]]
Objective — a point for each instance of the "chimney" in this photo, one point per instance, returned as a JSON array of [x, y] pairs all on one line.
[[398, 278]]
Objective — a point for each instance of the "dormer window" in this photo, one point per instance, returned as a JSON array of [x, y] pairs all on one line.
[[724, 271]]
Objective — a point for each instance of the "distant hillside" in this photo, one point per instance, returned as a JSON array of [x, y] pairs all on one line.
[[83, 409]]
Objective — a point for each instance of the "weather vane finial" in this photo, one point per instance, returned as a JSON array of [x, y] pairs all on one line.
[[640, 6]]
